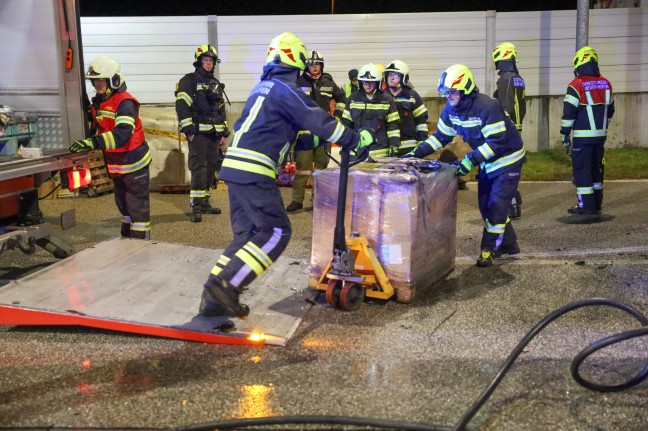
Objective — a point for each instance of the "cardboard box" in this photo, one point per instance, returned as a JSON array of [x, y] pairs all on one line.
[[407, 215]]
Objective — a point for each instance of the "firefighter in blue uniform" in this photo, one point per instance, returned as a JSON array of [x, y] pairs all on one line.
[[372, 108], [200, 106], [275, 111], [496, 148], [510, 92], [119, 134], [587, 111], [320, 87], [411, 110]]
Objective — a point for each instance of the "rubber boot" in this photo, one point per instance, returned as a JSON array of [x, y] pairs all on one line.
[[598, 199]]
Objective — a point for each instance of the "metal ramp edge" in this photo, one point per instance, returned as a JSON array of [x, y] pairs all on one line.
[[154, 288]]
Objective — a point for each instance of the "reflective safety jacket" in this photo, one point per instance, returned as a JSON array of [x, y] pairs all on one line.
[[378, 113], [413, 118], [322, 91], [200, 104], [350, 88], [119, 133], [482, 123], [510, 93], [275, 111], [587, 109]]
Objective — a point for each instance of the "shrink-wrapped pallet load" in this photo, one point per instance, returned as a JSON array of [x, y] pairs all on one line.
[[407, 210]]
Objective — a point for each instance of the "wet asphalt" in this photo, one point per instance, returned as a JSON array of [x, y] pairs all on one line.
[[424, 362]]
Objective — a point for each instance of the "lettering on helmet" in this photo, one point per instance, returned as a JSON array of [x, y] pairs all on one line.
[[507, 53], [458, 80], [585, 56]]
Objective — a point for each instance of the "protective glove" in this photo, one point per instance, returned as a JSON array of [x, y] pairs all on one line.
[[566, 142], [366, 139], [464, 167], [316, 141], [81, 145]]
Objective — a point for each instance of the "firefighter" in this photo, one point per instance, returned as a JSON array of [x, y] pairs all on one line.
[[275, 111], [496, 148], [320, 87], [118, 133], [411, 110], [371, 108], [352, 85], [510, 93], [200, 106], [587, 110]]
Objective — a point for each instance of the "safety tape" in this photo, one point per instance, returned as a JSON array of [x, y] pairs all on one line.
[[166, 133]]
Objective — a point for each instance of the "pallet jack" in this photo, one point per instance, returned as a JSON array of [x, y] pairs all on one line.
[[354, 272]]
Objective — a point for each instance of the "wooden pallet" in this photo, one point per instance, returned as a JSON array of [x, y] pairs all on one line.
[[101, 181]]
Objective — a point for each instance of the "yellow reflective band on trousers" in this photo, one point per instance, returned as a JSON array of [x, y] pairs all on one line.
[[198, 194], [495, 228], [584, 190], [142, 226], [126, 219], [383, 152], [254, 258], [220, 264]]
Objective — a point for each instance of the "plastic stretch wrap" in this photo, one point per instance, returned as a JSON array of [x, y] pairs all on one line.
[[408, 214]]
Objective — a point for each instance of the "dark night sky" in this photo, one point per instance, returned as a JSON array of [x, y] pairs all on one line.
[[306, 7]]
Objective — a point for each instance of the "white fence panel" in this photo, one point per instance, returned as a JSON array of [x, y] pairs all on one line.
[[156, 51]]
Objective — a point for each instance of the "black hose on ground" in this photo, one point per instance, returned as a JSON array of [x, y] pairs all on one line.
[[483, 397]]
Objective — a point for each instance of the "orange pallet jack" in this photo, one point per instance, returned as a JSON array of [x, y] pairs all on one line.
[[354, 271]]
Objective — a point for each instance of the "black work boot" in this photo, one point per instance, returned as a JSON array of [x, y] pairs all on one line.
[[209, 308], [583, 211], [207, 208], [294, 206], [515, 210], [196, 210], [226, 296]]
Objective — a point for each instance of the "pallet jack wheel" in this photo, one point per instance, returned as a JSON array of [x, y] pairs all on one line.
[[351, 296], [333, 292]]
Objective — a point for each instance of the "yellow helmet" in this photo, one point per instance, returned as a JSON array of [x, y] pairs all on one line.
[[584, 55], [105, 67], [208, 50], [288, 49], [370, 72], [456, 77], [504, 51]]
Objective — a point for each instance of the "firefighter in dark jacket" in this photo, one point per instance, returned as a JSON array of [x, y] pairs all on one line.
[[510, 93], [411, 110], [320, 87], [200, 107], [275, 111], [118, 133], [371, 108], [587, 111], [496, 148]]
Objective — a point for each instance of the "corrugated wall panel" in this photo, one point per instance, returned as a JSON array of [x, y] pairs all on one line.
[[156, 51]]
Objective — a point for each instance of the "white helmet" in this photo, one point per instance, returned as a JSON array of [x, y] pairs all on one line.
[[370, 72], [104, 67], [400, 67]]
